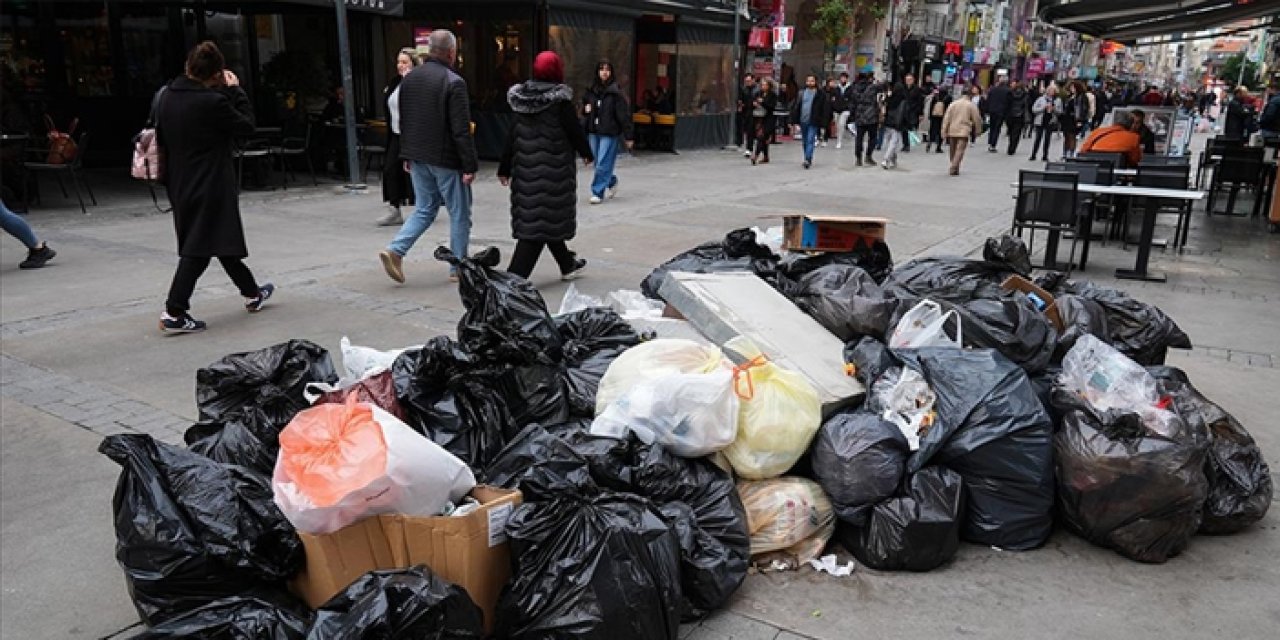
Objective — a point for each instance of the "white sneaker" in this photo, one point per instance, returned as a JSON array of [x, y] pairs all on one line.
[[596, 200], [839, 145], [824, 144], [611, 192], [746, 154]]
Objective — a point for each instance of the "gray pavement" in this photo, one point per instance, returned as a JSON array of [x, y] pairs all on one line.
[[81, 357]]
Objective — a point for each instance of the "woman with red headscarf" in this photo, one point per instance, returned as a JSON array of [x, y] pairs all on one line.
[[538, 165]]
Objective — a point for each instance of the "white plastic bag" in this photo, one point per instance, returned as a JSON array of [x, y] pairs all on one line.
[[778, 416], [358, 362], [632, 305], [925, 326], [575, 301], [341, 463], [903, 397], [1108, 379], [791, 514], [652, 360], [771, 237], [692, 414]]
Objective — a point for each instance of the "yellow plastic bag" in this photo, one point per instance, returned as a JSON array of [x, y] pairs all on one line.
[[778, 415], [788, 514]]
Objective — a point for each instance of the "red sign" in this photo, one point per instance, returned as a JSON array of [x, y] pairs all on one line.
[[760, 39], [952, 48], [1035, 66], [782, 37]]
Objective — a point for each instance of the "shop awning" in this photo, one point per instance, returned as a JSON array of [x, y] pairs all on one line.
[[1127, 21]]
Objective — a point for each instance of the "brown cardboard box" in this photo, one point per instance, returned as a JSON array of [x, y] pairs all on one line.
[[1018, 283], [470, 551], [830, 233]]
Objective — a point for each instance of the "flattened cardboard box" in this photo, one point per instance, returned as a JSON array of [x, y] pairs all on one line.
[[830, 233], [470, 551]]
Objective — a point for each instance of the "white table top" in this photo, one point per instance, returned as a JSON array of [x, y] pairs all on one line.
[[1141, 192]]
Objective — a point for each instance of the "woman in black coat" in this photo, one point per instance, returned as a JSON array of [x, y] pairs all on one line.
[[538, 165], [397, 188], [763, 122], [198, 117]]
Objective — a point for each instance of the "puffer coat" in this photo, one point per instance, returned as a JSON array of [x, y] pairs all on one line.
[[539, 159]]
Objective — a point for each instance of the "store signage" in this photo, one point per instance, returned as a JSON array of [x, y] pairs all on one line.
[[1035, 66], [383, 7], [968, 56], [759, 38], [782, 37], [930, 51]]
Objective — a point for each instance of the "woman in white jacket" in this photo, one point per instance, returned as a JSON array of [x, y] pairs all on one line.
[[1044, 117]]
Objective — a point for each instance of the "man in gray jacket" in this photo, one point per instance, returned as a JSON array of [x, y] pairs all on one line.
[[437, 149]]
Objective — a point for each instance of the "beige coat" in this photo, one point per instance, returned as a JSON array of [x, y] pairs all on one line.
[[962, 120]]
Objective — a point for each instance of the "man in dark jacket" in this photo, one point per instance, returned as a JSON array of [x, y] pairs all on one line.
[[746, 97], [1239, 115], [866, 113], [842, 105], [436, 145], [810, 112], [997, 107], [1016, 114], [1269, 121], [912, 110]]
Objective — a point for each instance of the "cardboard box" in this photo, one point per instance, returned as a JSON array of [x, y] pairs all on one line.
[[470, 551], [1018, 283], [830, 233]]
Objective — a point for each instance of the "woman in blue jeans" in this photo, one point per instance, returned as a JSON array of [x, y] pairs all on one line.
[[38, 252], [607, 117]]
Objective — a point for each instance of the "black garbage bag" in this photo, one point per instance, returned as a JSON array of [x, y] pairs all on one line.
[[593, 338], [453, 398], [1080, 317], [506, 319], [1010, 252], [236, 441], [535, 394], [591, 565], [874, 258], [993, 431], [190, 530], [846, 301], [992, 318], [737, 252], [870, 359], [859, 459], [1137, 329], [272, 380], [1240, 485], [257, 614], [399, 604], [1123, 487], [916, 530]]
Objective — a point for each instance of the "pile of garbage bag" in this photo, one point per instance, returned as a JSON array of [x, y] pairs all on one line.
[[401, 603], [1138, 330]]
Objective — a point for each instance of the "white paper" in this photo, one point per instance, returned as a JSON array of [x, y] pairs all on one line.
[[828, 564], [498, 517]]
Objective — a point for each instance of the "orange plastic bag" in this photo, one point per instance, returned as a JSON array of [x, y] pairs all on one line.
[[334, 449]]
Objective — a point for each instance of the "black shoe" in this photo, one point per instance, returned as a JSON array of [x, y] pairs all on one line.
[[579, 265], [181, 324], [807, 164], [254, 304], [37, 257], [859, 161]]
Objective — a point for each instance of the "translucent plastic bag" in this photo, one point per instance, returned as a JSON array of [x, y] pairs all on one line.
[[1108, 380], [903, 397], [925, 326], [788, 514], [340, 463], [693, 414], [653, 360], [779, 414], [357, 361]]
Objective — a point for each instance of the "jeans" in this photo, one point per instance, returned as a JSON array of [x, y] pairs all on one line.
[[527, 252], [1042, 133], [810, 133], [993, 136], [842, 124], [892, 143], [189, 271], [605, 149], [435, 186], [15, 226], [865, 141], [1015, 134]]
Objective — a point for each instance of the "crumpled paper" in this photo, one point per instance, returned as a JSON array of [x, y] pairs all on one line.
[[829, 565]]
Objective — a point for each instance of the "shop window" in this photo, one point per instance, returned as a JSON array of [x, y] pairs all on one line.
[[704, 84], [229, 32], [86, 43], [146, 44], [583, 48], [21, 51]]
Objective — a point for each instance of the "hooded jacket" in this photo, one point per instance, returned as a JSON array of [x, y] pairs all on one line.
[[539, 159], [606, 112], [1018, 105], [866, 108]]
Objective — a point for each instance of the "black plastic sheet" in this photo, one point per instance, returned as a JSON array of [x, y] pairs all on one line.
[[1137, 329], [400, 604], [271, 380], [737, 252], [190, 530], [874, 258], [859, 459], [257, 614], [846, 301], [916, 530]]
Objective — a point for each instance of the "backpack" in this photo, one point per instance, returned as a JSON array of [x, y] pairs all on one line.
[[62, 149]]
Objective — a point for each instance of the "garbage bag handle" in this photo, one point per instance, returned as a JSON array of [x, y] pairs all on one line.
[[745, 368]]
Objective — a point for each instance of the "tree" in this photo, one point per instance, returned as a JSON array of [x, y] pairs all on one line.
[[836, 20], [1231, 71]]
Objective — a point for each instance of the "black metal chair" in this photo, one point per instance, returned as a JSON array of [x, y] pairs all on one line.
[[371, 143], [1169, 177], [291, 146], [1237, 169], [74, 169], [1213, 150], [1174, 161], [1114, 157], [1050, 201], [254, 149]]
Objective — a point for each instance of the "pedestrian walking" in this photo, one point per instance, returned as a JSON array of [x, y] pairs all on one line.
[[1015, 114], [937, 110], [38, 252], [996, 106], [896, 108], [538, 164], [809, 113], [763, 121], [198, 117], [608, 120], [912, 110], [961, 124], [1044, 118], [746, 98], [867, 107], [436, 146], [1075, 112], [397, 188], [842, 106]]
